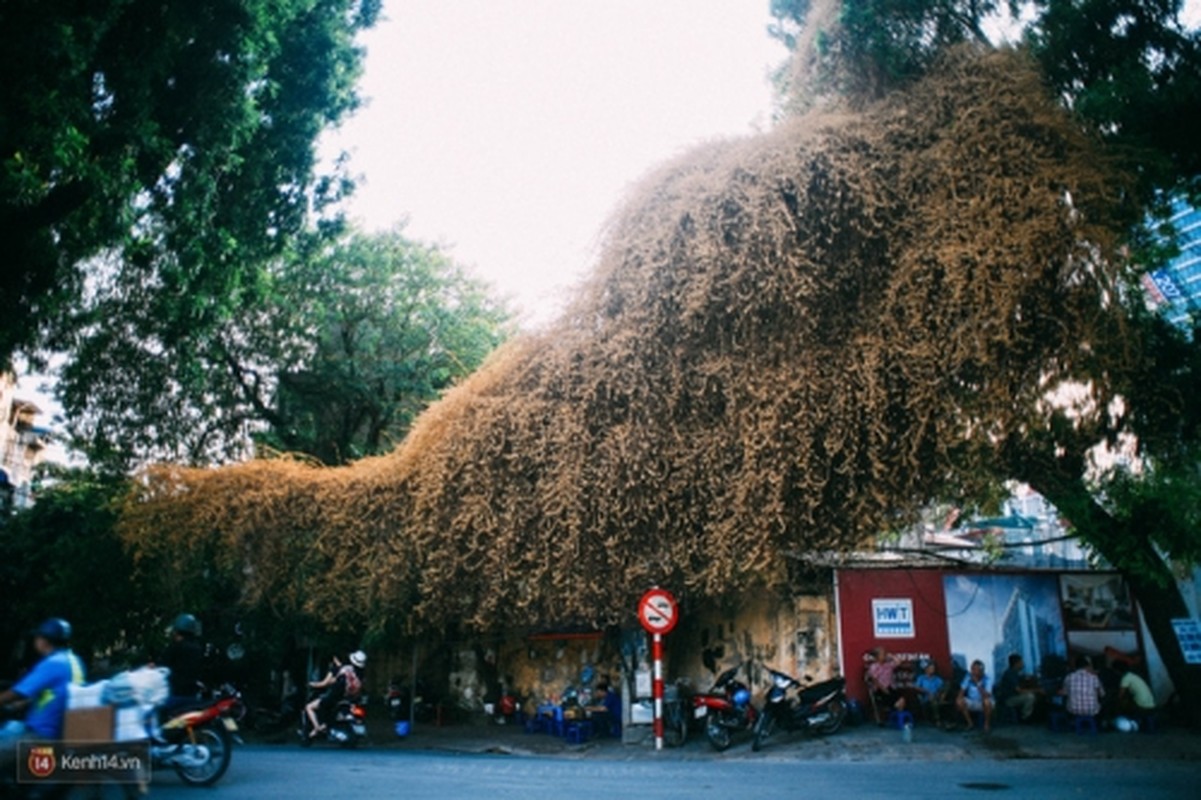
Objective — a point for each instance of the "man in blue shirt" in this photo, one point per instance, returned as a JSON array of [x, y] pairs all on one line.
[[44, 689], [975, 695]]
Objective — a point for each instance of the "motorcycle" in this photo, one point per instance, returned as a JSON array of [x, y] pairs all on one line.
[[198, 742], [347, 726], [726, 709], [677, 705], [819, 707], [397, 701]]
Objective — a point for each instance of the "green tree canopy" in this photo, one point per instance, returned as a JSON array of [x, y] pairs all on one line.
[[62, 558], [345, 341], [172, 140], [1128, 69]]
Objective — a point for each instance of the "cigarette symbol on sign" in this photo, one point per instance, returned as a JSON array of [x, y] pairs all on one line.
[[657, 611]]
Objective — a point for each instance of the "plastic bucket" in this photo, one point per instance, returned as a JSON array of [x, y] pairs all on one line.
[[402, 728]]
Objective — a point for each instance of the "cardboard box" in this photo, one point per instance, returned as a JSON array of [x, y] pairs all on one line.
[[88, 724]]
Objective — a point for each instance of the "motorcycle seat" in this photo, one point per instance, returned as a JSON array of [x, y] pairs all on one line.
[[817, 691]]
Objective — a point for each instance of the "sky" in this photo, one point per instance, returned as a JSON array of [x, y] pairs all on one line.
[[508, 130]]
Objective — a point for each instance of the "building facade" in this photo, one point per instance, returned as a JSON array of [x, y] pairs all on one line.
[[1175, 290], [22, 445]]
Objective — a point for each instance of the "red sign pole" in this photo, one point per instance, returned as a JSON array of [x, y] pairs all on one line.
[[658, 613], [657, 687]]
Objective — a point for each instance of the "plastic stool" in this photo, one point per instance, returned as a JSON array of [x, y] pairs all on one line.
[[578, 732], [899, 719], [1081, 722], [1146, 723]]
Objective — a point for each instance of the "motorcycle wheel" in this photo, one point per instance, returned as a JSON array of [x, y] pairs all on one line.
[[220, 747], [718, 734], [838, 713], [765, 726]]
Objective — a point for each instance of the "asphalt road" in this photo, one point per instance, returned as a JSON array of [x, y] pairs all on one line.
[[264, 771]]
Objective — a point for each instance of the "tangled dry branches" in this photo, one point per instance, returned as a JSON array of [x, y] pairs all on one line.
[[788, 343]]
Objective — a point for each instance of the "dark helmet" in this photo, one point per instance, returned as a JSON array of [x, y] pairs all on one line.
[[186, 625], [55, 630]]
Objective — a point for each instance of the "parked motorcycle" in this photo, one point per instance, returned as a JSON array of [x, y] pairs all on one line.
[[726, 709], [396, 700], [677, 712], [198, 742], [401, 707], [347, 725], [819, 707]]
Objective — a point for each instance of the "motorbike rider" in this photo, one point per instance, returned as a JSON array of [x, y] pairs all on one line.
[[184, 656], [342, 681], [43, 689]]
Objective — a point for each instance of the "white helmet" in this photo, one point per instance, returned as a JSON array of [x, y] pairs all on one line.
[[358, 658]]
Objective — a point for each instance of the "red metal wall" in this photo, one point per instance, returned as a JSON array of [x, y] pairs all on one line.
[[857, 589]]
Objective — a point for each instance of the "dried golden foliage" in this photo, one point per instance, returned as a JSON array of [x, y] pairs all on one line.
[[787, 344]]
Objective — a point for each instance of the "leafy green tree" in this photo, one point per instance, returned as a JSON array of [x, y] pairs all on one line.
[[385, 325], [176, 140], [62, 557], [1128, 68], [345, 342]]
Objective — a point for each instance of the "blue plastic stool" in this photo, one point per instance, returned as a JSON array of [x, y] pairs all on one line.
[[558, 725], [1081, 722], [899, 719], [578, 732]]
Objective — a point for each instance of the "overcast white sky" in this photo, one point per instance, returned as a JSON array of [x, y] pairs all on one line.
[[507, 130]]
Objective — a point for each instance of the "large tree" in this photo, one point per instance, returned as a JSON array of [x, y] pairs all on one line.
[[346, 340], [383, 325], [173, 141], [1131, 76], [789, 343]]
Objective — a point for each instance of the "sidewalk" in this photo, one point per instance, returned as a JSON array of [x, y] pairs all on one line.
[[859, 743]]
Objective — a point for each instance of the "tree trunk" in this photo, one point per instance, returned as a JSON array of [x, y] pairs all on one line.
[[1131, 551]]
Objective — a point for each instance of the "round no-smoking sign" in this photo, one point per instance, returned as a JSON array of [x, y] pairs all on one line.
[[658, 612]]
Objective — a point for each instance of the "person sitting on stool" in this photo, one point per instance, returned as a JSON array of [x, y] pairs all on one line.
[[975, 695]]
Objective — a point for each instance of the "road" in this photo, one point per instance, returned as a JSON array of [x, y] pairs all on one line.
[[264, 771]]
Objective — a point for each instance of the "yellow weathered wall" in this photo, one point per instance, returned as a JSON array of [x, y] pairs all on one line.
[[794, 635]]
